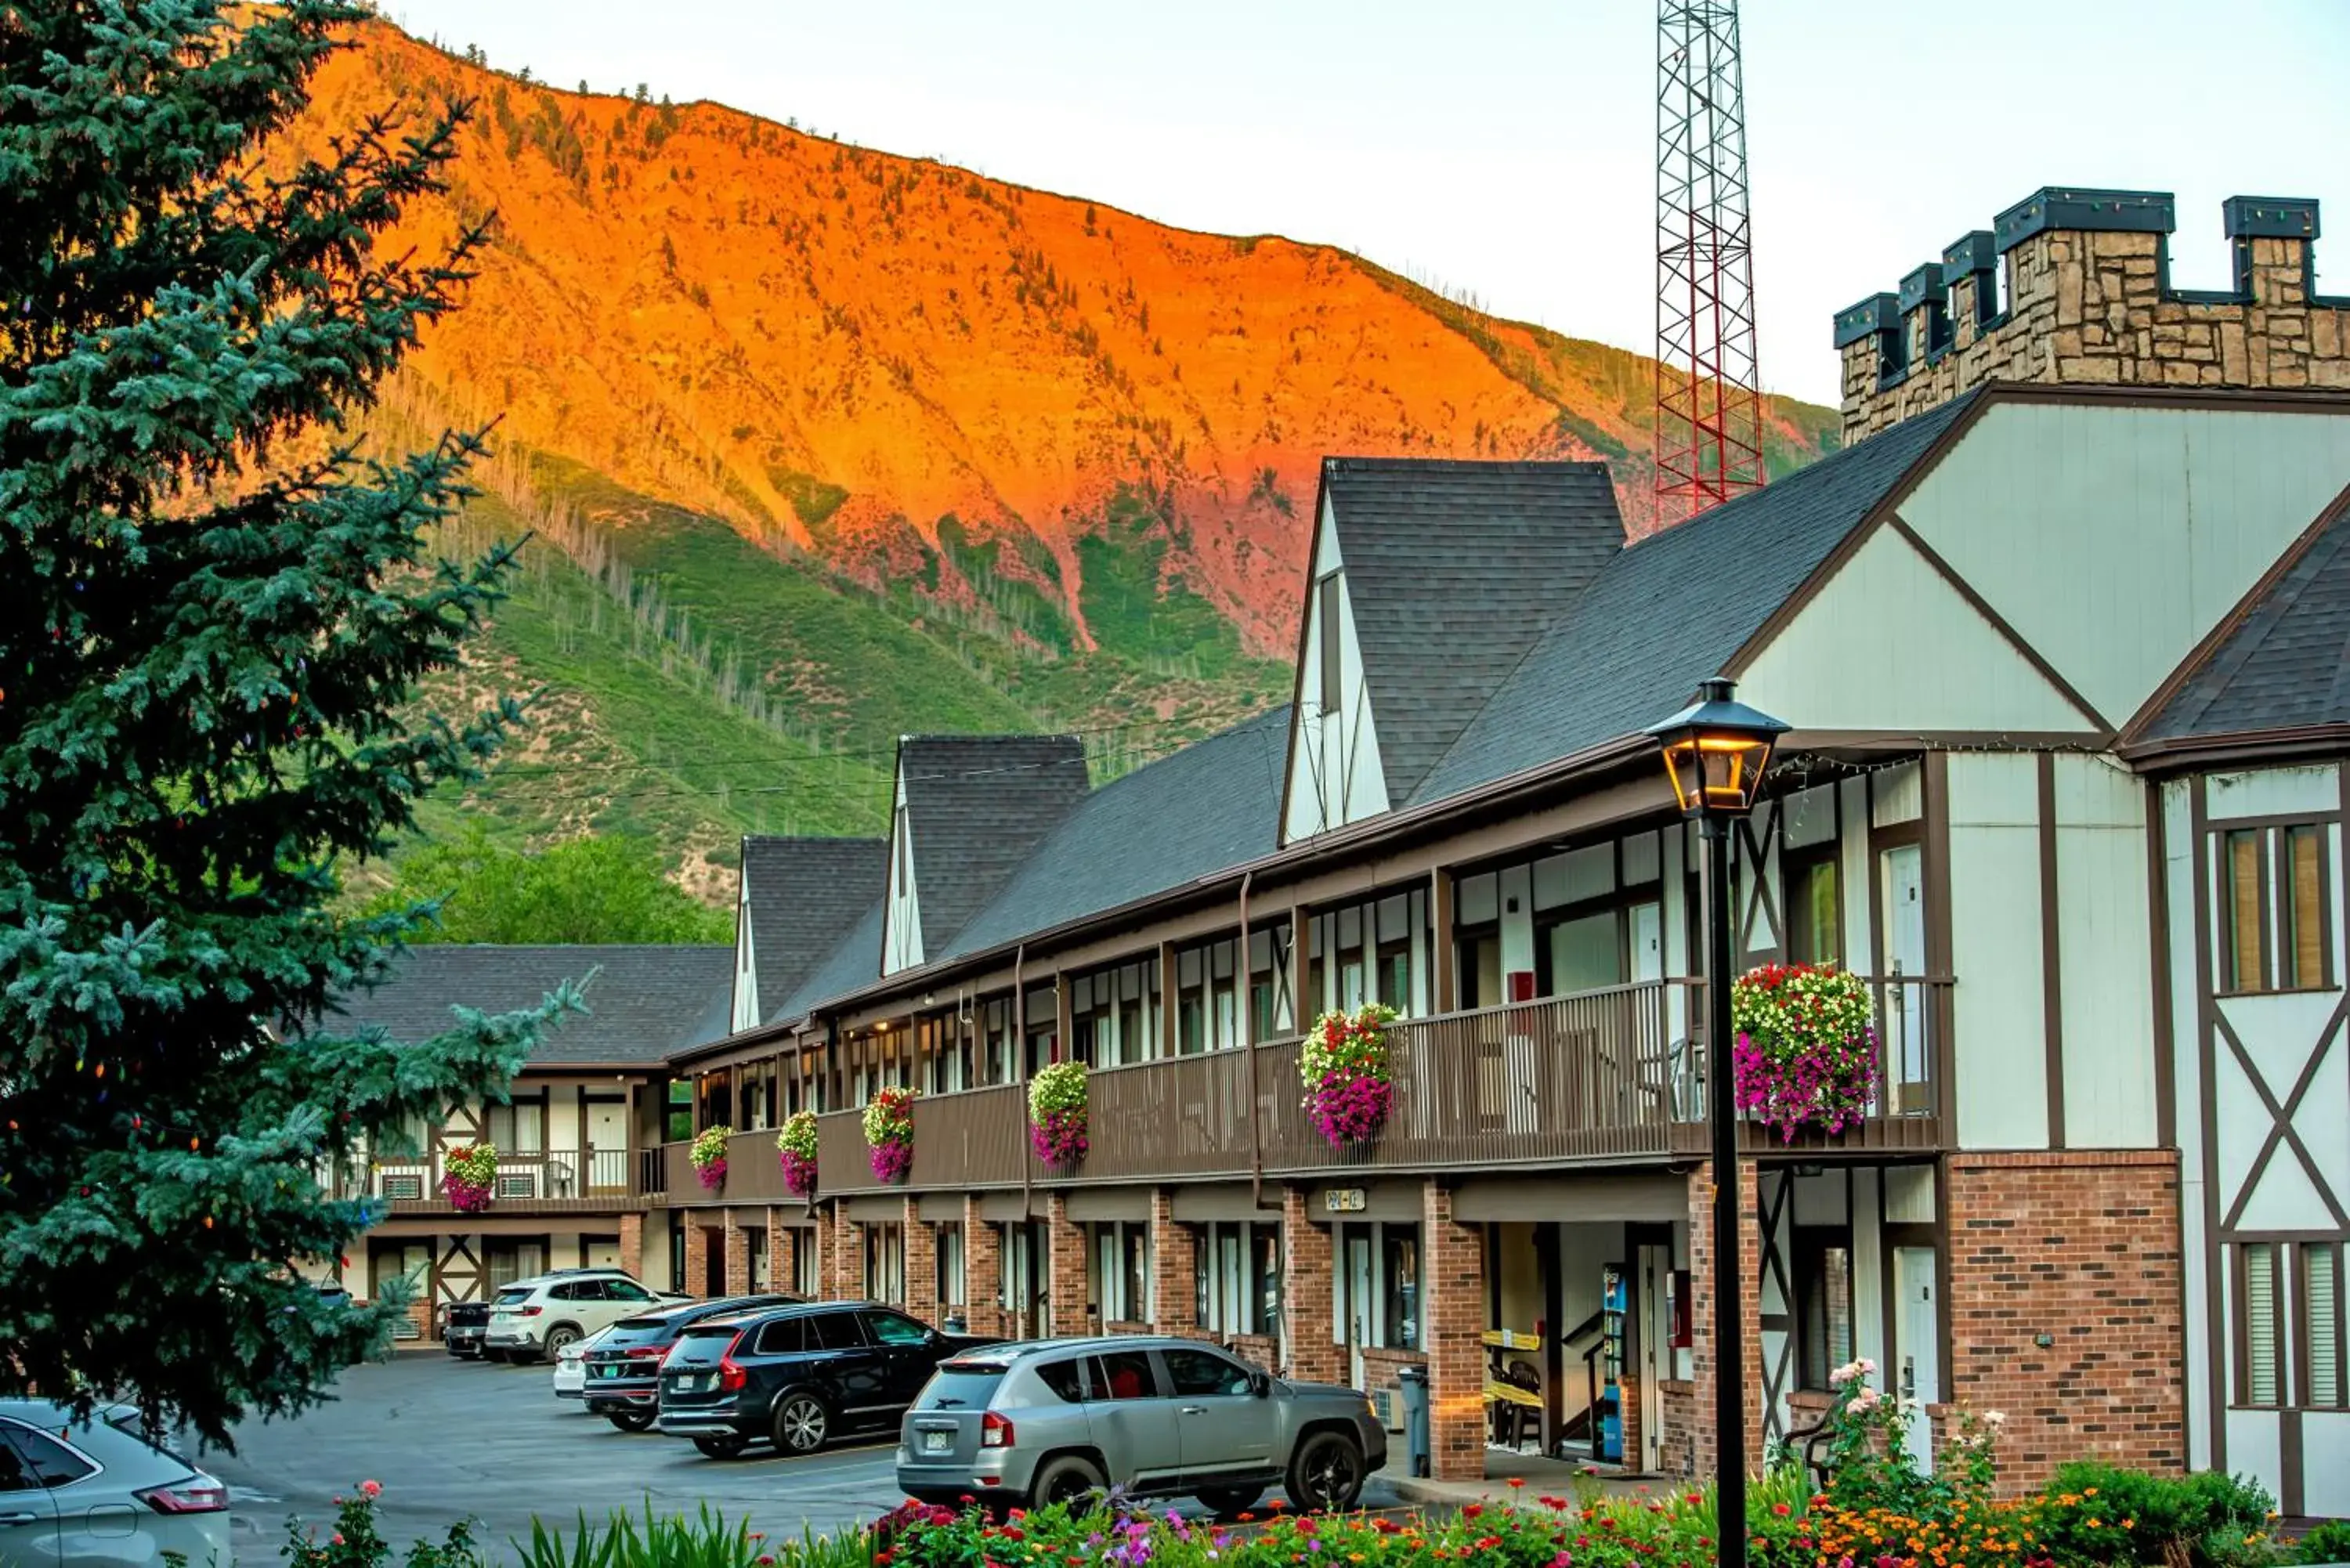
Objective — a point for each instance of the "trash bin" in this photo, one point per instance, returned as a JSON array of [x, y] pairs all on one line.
[[1412, 1385]]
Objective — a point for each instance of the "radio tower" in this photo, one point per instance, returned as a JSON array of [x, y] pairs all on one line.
[[1708, 398]]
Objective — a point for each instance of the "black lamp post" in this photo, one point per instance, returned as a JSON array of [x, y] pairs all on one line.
[[1716, 750]]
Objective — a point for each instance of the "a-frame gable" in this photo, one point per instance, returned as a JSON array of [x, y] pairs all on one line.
[[902, 917], [1334, 775], [744, 1013]]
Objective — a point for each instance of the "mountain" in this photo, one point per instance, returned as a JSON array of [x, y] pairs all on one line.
[[825, 445]]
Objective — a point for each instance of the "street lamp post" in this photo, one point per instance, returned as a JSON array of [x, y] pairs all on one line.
[[1716, 751]]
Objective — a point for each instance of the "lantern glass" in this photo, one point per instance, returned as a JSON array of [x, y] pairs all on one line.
[[1716, 752]]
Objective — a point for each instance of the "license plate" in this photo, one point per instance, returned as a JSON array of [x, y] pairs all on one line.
[[603, 1371], [937, 1442], [691, 1382]]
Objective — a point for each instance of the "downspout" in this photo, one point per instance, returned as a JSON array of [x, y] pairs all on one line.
[[1248, 1042], [1019, 1048]]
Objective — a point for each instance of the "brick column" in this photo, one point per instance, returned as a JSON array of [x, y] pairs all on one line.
[[1064, 1283], [780, 1259], [982, 1271], [921, 1266], [848, 1282], [1174, 1264], [738, 1254], [1452, 1325], [1307, 1270], [697, 1257], [1701, 1353], [632, 1245]]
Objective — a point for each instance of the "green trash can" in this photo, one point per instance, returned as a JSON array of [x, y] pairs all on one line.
[[1412, 1385]]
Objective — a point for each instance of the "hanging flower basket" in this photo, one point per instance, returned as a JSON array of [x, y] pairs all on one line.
[[1344, 1063], [1803, 1054], [795, 1147], [1056, 1114], [470, 1178], [889, 1133], [709, 1157]]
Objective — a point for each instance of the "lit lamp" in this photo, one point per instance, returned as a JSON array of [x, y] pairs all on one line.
[[1716, 751]]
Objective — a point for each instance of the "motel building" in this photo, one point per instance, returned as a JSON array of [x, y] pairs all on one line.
[[2060, 632]]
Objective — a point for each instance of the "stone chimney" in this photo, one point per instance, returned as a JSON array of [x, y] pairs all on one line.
[[2088, 300]]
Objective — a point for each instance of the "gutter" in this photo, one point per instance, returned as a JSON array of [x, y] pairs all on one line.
[[2180, 751]]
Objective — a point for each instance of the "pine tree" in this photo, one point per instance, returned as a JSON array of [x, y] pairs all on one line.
[[214, 614]]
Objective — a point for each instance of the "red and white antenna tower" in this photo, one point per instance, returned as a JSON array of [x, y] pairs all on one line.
[[1708, 398]]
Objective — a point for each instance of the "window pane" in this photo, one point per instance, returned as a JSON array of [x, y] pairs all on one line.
[[2320, 1268], [2303, 915], [1125, 1374], [49, 1463], [889, 1328], [2260, 1340], [2241, 892], [1812, 892], [1199, 1373], [1584, 955], [1403, 1288], [782, 1337], [1065, 1379]]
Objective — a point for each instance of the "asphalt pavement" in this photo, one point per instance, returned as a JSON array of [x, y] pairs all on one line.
[[450, 1440]]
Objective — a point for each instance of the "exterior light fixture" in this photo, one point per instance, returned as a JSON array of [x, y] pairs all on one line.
[[1716, 751]]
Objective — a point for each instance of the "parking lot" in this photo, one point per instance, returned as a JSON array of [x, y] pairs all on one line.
[[451, 1439]]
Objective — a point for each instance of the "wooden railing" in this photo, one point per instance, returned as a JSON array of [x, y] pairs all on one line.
[[571, 1178], [1601, 1076]]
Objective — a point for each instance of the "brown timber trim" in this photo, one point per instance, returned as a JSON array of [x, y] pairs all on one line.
[[2158, 904], [2051, 990], [2214, 1259], [1935, 838], [2292, 1464], [1999, 623], [1441, 959], [1856, 740], [2275, 819], [1297, 660], [2239, 747], [2201, 653]]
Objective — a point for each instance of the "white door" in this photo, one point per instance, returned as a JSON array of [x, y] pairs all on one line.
[[1918, 1363], [607, 1146], [1359, 1303], [1647, 941], [1656, 1328], [1902, 878]]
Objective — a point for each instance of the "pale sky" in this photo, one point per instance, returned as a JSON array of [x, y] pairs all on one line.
[[1506, 146]]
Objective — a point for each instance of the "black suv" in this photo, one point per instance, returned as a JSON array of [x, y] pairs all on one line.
[[797, 1376], [462, 1324], [623, 1368]]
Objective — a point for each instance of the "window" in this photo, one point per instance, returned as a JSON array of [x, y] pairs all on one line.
[[1813, 923], [1207, 997], [1120, 1277], [43, 1461], [804, 1261], [1202, 1373], [2302, 947], [756, 1106], [1044, 1024], [1065, 1380], [1270, 1015], [884, 1261], [1114, 1014], [754, 1254], [2275, 909], [2260, 1318], [519, 1128], [951, 1266], [996, 1040], [1823, 1303], [1374, 950], [834, 1331], [716, 1094], [2324, 1374], [630, 1290], [1325, 616], [1401, 1257], [785, 1337], [1237, 1277], [1124, 1374], [890, 1328], [2244, 963]]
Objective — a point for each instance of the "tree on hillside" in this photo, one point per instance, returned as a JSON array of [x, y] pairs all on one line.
[[588, 889], [208, 645]]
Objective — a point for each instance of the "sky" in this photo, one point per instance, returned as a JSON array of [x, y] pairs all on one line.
[[1506, 147]]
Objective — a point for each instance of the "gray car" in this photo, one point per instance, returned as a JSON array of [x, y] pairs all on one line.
[[98, 1493], [1051, 1420]]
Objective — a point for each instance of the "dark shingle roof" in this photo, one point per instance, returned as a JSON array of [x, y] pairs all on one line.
[[643, 1001], [1453, 569], [1671, 611], [855, 960], [1207, 808], [976, 805], [800, 897], [2286, 665]]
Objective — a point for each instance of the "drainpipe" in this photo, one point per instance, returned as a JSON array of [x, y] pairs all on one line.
[[1247, 1042], [1019, 1047]]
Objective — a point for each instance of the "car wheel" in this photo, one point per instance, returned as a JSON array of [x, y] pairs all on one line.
[[725, 1448], [802, 1424], [1069, 1480], [1326, 1472], [560, 1336], [630, 1420], [1229, 1499]]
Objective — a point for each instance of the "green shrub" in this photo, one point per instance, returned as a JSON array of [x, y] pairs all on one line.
[[2209, 1520], [2329, 1542], [673, 1541]]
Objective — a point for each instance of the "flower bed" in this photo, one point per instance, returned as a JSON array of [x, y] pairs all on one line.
[[1344, 1063], [1056, 1114], [1804, 1055], [469, 1177], [709, 1157], [795, 1149], [889, 1133]]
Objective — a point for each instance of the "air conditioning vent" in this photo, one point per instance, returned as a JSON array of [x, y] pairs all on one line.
[[401, 1186], [1388, 1409], [520, 1185]]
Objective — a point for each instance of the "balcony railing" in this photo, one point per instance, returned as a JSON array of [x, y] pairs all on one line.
[[1601, 1076], [578, 1177]]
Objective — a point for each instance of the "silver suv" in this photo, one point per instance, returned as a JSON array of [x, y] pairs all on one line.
[[1051, 1420]]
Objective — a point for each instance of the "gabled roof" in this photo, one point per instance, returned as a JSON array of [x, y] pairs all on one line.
[[801, 896], [1453, 569], [977, 805], [2285, 663], [1674, 608], [855, 960], [1207, 808], [643, 1001]]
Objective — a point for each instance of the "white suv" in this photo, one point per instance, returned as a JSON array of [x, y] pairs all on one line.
[[531, 1319]]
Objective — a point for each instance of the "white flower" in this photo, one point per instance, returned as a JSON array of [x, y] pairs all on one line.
[[1994, 1418]]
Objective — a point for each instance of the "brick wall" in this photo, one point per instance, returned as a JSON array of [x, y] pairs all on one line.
[[2089, 307], [921, 1266], [738, 1252], [1065, 1246], [2081, 1247], [982, 1271], [1257, 1349], [1676, 1443], [783, 1251], [1452, 1321], [1307, 1270], [632, 1245], [1700, 1424], [697, 1258], [1174, 1265]]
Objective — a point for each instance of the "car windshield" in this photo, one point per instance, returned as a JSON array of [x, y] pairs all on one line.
[[962, 1385], [634, 1331], [703, 1346], [514, 1295]]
